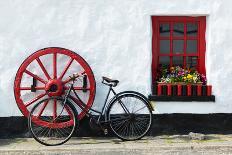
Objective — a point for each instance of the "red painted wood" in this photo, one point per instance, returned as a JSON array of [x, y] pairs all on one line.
[[171, 43], [42, 109], [156, 20], [154, 64], [66, 68], [23, 69], [185, 44], [34, 99], [169, 89], [54, 65], [202, 44], [159, 91], [179, 90], [209, 90], [199, 90], [29, 88], [35, 76], [189, 90], [43, 68]]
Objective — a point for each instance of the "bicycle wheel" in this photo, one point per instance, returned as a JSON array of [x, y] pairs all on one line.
[[130, 117], [50, 127]]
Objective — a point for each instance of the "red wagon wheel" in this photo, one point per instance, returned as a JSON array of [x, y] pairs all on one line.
[[46, 73]]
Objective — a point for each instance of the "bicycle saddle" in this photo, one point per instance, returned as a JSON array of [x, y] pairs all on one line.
[[109, 81]]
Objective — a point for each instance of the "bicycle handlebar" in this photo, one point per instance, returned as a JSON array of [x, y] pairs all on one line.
[[74, 76]]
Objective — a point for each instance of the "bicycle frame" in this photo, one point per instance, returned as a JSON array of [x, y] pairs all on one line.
[[84, 107]]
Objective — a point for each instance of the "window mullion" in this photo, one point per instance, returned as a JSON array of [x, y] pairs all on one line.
[[171, 43], [185, 44], [198, 46]]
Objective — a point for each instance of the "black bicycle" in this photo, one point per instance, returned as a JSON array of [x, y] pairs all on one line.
[[128, 114]]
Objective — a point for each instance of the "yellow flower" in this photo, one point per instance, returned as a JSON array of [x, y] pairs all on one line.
[[189, 76]]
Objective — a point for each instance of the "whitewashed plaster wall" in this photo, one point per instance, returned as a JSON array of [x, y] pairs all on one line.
[[114, 36]]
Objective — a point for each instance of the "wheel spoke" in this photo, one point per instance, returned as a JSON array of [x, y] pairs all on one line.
[[35, 99], [55, 65], [29, 88], [140, 109], [66, 68], [43, 68], [42, 109], [35, 76], [79, 103], [137, 125]]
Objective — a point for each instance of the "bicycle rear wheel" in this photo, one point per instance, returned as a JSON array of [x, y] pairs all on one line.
[[130, 117], [49, 128]]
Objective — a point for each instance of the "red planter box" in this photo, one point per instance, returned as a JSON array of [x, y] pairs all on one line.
[[164, 89]]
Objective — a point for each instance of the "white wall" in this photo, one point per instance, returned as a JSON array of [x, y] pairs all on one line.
[[114, 36]]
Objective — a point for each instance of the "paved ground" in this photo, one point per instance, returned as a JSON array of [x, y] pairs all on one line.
[[167, 145]]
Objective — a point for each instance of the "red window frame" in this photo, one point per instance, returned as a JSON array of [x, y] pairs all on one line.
[[157, 20]]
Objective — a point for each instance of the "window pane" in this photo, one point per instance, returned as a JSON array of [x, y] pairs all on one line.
[[191, 62], [164, 61], [177, 61], [164, 46], [178, 29], [178, 46], [191, 46], [192, 29], [164, 30]]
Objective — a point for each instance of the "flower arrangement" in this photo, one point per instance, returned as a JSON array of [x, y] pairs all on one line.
[[178, 74]]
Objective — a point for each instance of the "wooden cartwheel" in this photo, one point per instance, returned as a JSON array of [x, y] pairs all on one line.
[[46, 73]]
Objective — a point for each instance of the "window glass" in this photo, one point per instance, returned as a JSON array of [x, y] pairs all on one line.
[[178, 29], [178, 46], [192, 29], [164, 60], [177, 61], [191, 62], [164, 46], [164, 30], [191, 46]]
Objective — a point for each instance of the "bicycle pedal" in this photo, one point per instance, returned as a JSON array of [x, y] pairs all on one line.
[[105, 131]]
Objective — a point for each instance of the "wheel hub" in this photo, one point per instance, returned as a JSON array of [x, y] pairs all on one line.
[[54, 87]]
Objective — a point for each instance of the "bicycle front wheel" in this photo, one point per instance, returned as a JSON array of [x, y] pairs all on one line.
[[130, 117], [50, 127]]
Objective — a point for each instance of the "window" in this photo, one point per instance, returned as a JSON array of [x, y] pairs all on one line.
[[178, 41]]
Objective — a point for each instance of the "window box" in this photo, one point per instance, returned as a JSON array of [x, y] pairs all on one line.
[[182, 92]]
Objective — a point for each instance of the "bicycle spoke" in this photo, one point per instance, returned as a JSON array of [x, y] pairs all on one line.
[[53, 132], [139, 117], [121, 124], [54, 109], [140, 109]]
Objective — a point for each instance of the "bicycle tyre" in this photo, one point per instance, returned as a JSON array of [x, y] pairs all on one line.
[[120, 121], [58, 125]]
